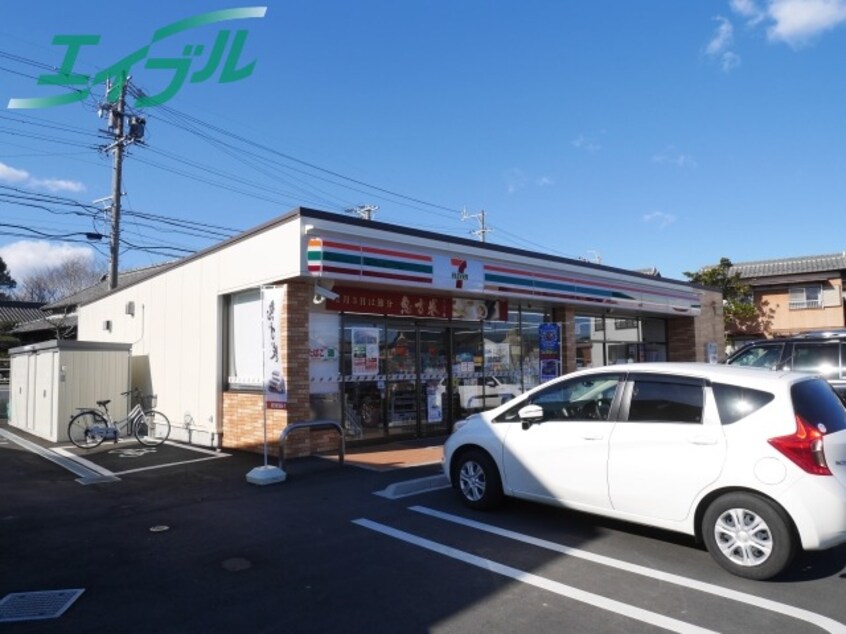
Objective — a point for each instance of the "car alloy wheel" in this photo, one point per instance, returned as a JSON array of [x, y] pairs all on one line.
[[478, 480]]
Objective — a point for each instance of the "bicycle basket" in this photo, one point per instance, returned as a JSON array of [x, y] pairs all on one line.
[[149, 401]]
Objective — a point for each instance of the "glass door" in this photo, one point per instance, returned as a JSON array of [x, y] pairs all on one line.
[[434, 376], [403, 400], [364, 387], [467, 391]]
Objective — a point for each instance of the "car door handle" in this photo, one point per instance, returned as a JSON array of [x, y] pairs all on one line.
[[593, 436], [703, 440]]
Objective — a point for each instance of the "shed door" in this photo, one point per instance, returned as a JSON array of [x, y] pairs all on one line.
[[19, 389], [44, 394]]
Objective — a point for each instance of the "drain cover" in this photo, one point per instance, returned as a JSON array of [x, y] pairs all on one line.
[[34, 606]]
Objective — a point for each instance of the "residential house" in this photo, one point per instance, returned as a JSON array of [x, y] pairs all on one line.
[[793, 296]]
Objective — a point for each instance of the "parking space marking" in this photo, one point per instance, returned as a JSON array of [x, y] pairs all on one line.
[[210, 455], [87, 475], [92, 466], [173, 464], [823, 622], [595, 600]]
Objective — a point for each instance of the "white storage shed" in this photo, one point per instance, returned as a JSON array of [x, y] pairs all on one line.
[[51, 379]]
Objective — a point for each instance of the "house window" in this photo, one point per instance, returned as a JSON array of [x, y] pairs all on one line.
[[804, 297]]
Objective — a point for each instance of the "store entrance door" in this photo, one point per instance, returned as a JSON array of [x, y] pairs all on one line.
[[416, 360]]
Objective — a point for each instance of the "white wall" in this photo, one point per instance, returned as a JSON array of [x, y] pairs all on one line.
[[176, 332]]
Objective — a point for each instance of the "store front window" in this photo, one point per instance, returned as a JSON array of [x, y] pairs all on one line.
[[244, 340], [390, 377], [612, 340]]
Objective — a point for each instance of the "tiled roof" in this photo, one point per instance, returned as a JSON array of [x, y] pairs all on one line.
[[45, 323], [101, 288], [791, 266], [14, 312]]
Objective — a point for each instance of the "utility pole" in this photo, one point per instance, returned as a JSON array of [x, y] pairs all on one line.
[[135, 135], [483, 228], [365, 212], [117, 179]]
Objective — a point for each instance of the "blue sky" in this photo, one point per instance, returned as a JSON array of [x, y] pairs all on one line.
[[647, 134]]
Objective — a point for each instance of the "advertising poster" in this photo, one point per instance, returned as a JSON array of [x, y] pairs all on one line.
[[365, 351], [549, 349], [275, 389]]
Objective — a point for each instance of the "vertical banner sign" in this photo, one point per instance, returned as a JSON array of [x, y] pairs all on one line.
[[549, 349], [275, 388]]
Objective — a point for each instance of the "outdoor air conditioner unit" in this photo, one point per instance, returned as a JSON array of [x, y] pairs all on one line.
[[130, 308]]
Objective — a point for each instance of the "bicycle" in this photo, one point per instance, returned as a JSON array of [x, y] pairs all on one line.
[[90, 427]]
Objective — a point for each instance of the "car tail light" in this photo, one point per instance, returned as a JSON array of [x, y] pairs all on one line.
[[804, 447]]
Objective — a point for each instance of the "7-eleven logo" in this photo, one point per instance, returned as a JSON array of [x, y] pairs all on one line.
[[459, 273]]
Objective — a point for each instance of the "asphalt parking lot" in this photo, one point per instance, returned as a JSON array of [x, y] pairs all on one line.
[[192, 546]]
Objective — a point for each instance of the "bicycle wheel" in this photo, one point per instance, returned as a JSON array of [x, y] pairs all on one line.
[[87, 429], [153, 429]]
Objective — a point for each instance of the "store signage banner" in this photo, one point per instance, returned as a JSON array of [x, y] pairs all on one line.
[[472, 309], [549, 349], [378, 302], [361, 300], [275, 388]]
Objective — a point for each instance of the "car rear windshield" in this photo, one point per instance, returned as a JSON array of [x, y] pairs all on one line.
[[818, 404], [734, 402]]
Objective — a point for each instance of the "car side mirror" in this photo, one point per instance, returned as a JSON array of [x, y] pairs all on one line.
[[530, 414]]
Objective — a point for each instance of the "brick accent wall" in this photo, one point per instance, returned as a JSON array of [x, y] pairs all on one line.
[[687, 336], [243, 419]]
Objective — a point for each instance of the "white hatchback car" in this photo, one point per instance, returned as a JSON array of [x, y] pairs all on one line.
[[752, 462]]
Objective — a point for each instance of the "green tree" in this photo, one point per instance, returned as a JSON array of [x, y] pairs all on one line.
[[738, 307], [6, 281]]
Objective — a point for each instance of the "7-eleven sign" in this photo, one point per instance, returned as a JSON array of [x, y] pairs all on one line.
[[456, 273]]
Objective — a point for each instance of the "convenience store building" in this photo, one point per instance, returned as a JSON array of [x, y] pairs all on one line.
[[395, 332]]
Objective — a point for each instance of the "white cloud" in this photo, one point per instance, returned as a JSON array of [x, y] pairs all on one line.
[[544, 181], [28, 256], [9, 174], [719, 46], [663, 220], [729, 61], [722, 37], [582, 142], [749, 10], [56, 185], [794, 22], [671, 156]]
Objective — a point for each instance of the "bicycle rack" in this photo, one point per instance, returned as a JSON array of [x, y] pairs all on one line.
[[316, 425]]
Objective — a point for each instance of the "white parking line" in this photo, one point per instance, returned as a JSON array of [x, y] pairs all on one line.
[[603, 603], [823, 622], [87, 474], [172, 464]]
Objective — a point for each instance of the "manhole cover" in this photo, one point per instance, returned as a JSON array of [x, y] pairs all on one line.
[[33, 606]]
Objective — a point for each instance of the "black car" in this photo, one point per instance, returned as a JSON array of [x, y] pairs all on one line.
[[822, 353]]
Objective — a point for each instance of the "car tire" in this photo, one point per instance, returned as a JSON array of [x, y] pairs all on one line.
[[748, 535], [477, 480]]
